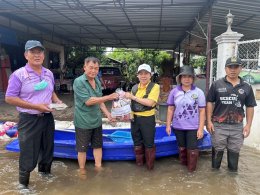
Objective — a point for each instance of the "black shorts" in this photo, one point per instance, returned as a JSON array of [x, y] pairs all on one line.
[[88, 137]]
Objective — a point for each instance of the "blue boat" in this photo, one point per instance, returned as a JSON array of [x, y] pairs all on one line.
[[117, 144]]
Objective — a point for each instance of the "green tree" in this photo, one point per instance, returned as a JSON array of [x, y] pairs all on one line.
[[135, 57], [199, 62], [75, 55]]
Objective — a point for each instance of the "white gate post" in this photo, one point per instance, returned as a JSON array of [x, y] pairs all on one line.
[[226, 46]]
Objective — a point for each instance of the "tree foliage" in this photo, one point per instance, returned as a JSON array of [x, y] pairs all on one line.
[[134, 57], [199, 62], [75, 55]]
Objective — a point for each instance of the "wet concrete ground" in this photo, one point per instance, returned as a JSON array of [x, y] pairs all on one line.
[[9, 112]]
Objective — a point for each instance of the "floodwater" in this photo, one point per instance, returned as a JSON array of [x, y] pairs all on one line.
[[123, 177]]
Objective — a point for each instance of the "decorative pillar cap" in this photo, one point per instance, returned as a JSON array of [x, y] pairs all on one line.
[[229, 21]]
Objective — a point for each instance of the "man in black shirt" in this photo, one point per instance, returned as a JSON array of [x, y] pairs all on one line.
[[225, 112]]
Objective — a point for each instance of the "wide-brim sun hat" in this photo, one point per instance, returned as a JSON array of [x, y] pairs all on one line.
[[145, 67], [185, 70], [30, 44]]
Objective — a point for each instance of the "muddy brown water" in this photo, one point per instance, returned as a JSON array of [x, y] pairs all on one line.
[[123, 177]]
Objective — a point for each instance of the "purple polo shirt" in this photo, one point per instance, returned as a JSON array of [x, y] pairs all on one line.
[[187, 104], [21, 84]]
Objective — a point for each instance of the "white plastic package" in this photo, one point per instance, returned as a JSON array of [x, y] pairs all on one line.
[[55, 106], [121, 108]]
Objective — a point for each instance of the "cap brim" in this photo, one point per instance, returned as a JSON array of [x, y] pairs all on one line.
[[35, 47], [186, 73], [143, 69], [178, 77], [234, 64]]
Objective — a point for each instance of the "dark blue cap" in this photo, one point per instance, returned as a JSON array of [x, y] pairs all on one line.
[[32, 44], [233, 61]]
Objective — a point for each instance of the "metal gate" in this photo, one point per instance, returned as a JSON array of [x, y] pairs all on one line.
[[213, 65], [249, 52]]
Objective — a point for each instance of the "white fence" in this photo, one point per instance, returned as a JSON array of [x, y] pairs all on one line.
[[249, 52], [213, 66]]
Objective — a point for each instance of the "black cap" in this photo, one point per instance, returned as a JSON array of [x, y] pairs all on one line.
[[32, 44], [233, 61], [185, 70]]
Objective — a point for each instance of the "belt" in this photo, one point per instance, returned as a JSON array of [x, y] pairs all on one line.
[[36, 115]]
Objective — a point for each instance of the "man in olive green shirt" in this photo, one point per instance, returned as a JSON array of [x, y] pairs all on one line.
[[87, 115]]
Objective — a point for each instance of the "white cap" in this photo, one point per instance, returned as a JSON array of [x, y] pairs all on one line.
[[144, 67]]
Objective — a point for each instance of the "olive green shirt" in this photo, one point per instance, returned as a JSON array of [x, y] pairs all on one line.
[[86, 117]]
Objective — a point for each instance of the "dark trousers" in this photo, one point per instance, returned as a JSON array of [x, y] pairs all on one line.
[[36, 141], [143, 130], [186, 138]]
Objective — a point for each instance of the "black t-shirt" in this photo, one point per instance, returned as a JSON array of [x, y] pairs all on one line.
[[230, 101]]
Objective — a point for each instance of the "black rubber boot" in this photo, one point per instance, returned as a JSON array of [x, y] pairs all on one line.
[[232, 158], [44, 169], [24, 177], [216, 158]]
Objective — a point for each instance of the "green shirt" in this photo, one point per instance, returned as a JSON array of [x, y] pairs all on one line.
[[86, 117]]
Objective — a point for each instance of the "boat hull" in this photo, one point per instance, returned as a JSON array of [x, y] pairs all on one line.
[[115, 148]]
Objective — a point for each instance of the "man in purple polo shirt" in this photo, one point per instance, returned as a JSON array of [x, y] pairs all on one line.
[[31, 90]]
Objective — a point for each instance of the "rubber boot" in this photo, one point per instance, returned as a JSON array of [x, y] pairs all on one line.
[[216, 158], [150, 157], [24, 177], [139, 155], [44, 168], [183, 155], [192, 158], [232, 158]]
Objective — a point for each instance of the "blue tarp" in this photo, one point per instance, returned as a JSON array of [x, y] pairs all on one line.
[[8, 36]]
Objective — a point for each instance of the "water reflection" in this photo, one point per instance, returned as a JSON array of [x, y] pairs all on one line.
[[123, 177]]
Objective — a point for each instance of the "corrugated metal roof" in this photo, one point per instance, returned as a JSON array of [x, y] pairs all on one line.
[[157, 24]]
